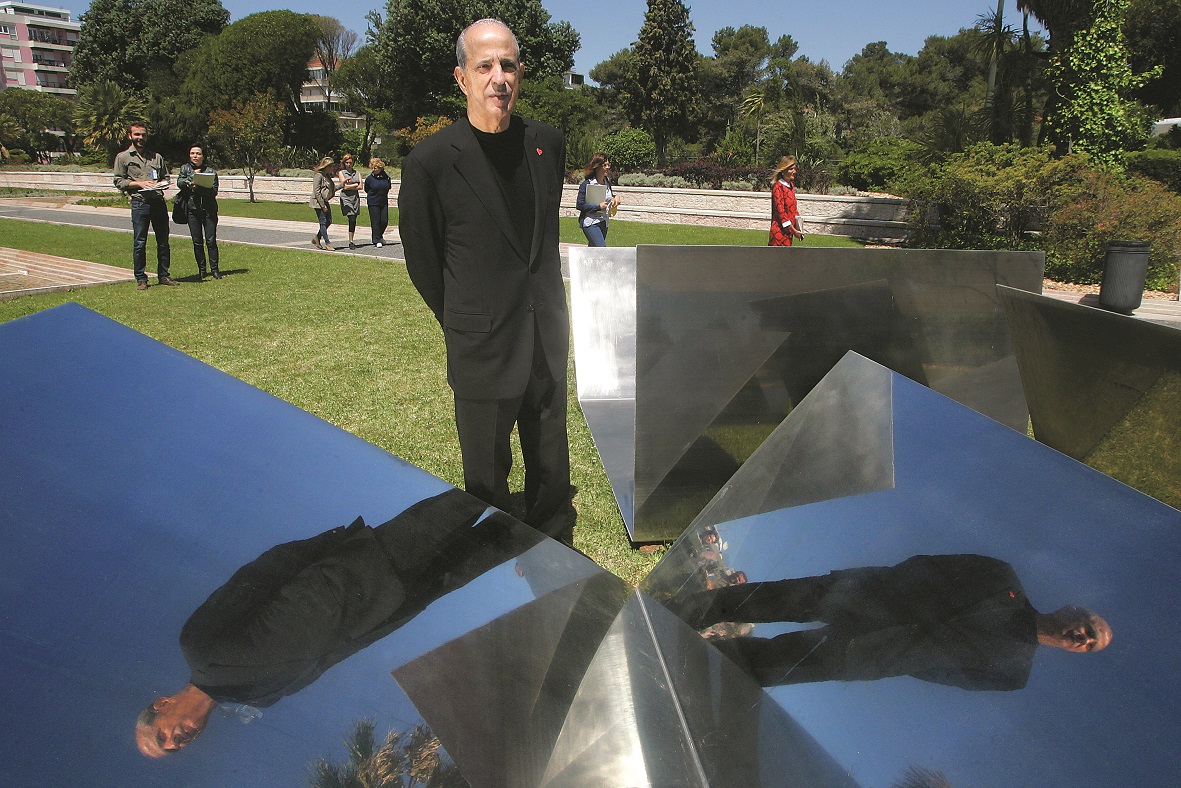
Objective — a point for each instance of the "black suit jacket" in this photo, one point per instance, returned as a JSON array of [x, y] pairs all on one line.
[[486, 290]]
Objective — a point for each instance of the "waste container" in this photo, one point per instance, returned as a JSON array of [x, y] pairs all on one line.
[[1124, 270]]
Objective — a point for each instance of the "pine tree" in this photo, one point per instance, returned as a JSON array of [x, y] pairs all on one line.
[[666, 71]]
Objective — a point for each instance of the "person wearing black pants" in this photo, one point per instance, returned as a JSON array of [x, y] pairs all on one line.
[[202, 209], [377, 199]]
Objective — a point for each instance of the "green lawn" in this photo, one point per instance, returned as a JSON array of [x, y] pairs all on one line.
[[360, 351]]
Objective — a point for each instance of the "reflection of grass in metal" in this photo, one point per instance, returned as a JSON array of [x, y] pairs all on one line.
[[1144, 449], [405, 758]]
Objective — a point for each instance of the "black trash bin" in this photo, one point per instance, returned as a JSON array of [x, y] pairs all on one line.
[[1125, 269]]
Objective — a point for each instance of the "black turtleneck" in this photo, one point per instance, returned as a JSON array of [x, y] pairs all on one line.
[[506, 154]]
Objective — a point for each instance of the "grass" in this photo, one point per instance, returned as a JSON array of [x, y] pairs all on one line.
[[360, 351]]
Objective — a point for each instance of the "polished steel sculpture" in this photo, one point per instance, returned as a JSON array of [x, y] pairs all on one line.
[[1102, 388], [164, 523], [727, 340], [917, 609]]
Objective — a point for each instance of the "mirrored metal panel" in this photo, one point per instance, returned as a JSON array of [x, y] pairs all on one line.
[[1102, 388], [531, 700], [729, 340], [171, 532], [603, 321], [939, 625]]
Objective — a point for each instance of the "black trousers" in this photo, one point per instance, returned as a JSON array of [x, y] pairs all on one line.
[[485, 427]]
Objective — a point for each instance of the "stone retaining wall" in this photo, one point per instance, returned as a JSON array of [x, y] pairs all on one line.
[[870, 218]]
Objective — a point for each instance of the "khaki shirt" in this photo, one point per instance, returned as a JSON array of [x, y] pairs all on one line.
[[131, 166]]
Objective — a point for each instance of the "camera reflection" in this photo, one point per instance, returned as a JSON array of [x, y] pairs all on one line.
[[301, 607], [960, 620]]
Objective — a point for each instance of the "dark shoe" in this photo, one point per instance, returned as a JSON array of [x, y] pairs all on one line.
[[168, 280], [352, 245], [201, 274], [141, 285], [216, 274]]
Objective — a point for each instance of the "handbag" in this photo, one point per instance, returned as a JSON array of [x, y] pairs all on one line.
[[180, 209]]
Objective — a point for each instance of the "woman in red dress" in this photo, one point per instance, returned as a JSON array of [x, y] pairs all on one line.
[[785, 218]]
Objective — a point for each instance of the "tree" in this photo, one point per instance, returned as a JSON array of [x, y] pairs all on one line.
[[249, 135], [1153, 30], [405, 759], [104, 112], [333, 47], [416, 41], [126, 40], [1093, 78], [365, 85], [665, 72], [46, 121], [267, 52]]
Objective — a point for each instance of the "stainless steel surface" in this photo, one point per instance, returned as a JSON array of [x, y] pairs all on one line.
[[729, 339], [1102, 388], [146, 493], [962, 697]]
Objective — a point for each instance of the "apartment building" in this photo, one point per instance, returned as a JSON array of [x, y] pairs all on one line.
[[36, 47]]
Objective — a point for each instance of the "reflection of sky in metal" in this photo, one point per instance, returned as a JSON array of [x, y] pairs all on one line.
[[135, 480], [965, 484]]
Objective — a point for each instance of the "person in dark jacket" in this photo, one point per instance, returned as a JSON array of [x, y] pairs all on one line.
[[202, 209], [960, 620], [301, 607], [377, 199]]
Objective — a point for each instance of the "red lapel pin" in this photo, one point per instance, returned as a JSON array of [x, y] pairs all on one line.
[[539, 151]]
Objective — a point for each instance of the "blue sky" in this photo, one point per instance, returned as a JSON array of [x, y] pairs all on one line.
[[825, 32]]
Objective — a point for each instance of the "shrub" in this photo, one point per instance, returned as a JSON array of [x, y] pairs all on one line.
[[990, 197], [996, 196], [630, 149], [1161, 164], [1106, 206], [656, 180], [706, 174], [738, 186], [879, 164]]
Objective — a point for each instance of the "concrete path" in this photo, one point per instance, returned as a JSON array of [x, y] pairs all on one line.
[[298, 235], [26, 273]]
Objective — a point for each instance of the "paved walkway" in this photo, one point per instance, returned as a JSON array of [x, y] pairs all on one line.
[[26, 273], [297, 235]]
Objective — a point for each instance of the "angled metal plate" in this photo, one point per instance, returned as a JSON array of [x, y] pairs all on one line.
[[920, 600], [1102, 388]]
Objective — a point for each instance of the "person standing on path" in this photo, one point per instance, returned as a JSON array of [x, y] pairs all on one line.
[[142, 175], [350, 194], [202, 209], [377, 200], [323, 189]]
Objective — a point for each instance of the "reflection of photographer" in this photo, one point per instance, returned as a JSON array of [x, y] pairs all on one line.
[[962, 620], [301, 607]]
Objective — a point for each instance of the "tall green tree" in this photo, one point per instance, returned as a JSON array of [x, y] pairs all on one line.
[[1153, 30], [267, 52], [104, 112], [666, 62], [1093, 79], [46, 120], [125, 41], [416, 41], [367, 88]]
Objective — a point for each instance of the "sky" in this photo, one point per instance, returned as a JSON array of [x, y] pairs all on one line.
[[824, 32]]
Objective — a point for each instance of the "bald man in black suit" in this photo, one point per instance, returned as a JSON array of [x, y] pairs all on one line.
[[478, 220]]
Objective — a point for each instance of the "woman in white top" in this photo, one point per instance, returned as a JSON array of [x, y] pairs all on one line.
[[592, 216]]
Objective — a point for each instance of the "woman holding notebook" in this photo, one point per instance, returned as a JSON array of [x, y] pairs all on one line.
[[596, 202], [198, 181]]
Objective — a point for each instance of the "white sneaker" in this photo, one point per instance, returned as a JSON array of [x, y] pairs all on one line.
[[378, 244]]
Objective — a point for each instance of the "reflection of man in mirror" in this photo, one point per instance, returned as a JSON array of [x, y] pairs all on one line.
[[301, 607], [962, 620]]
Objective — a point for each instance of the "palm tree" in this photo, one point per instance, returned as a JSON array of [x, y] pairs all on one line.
[[753, 103], [403, 761], [104, 111]]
